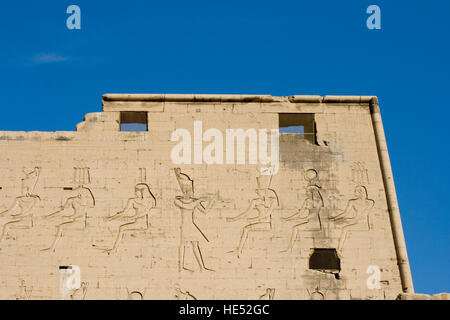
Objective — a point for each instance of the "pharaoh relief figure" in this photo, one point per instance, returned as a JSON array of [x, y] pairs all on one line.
[[355, 216], [19, 214], [259, 212], [190, 232], [307, 216], [73, 212]]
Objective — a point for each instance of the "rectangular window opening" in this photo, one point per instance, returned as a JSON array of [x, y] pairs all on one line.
[[133, 121], [302, 124]]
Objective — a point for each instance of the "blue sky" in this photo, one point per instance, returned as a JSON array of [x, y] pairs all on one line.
[[51, 76]]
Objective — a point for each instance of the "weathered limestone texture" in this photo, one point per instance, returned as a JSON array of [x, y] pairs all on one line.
[[140, 226]]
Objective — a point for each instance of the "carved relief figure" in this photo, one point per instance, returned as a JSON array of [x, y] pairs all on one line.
[[263, 205], [19, 214], [140, 206], [307, 217], [191, 234], [269, 295], [73, 213], [356, 215]]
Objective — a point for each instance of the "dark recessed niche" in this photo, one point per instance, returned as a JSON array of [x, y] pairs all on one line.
[[65, 267], [325, 260]]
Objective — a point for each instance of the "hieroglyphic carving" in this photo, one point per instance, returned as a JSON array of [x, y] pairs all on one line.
[[356, 215], [80, 293], [269, 295], [263, 204], [19, 214], [190, 232], [316, 294], [135, 295], [360, 175], [183, 295], [142, 204], [73, 213], [307, 216]]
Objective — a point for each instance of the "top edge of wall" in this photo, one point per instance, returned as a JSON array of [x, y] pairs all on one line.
[[237, 98]]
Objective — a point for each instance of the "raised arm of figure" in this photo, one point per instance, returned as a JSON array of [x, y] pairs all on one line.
[[208, 207], [243, 214], [11, 208], [120, 213]]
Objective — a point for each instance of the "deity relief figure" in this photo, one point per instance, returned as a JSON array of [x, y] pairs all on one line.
[[307, 217], [356, 215], [141, 204], [263, 205], [19, 214], [73, 213], [191, 234]]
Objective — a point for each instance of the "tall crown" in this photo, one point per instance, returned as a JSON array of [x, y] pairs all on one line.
[[183, 179], [264, 181]]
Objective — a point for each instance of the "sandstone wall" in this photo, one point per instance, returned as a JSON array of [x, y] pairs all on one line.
[[93, 173]]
